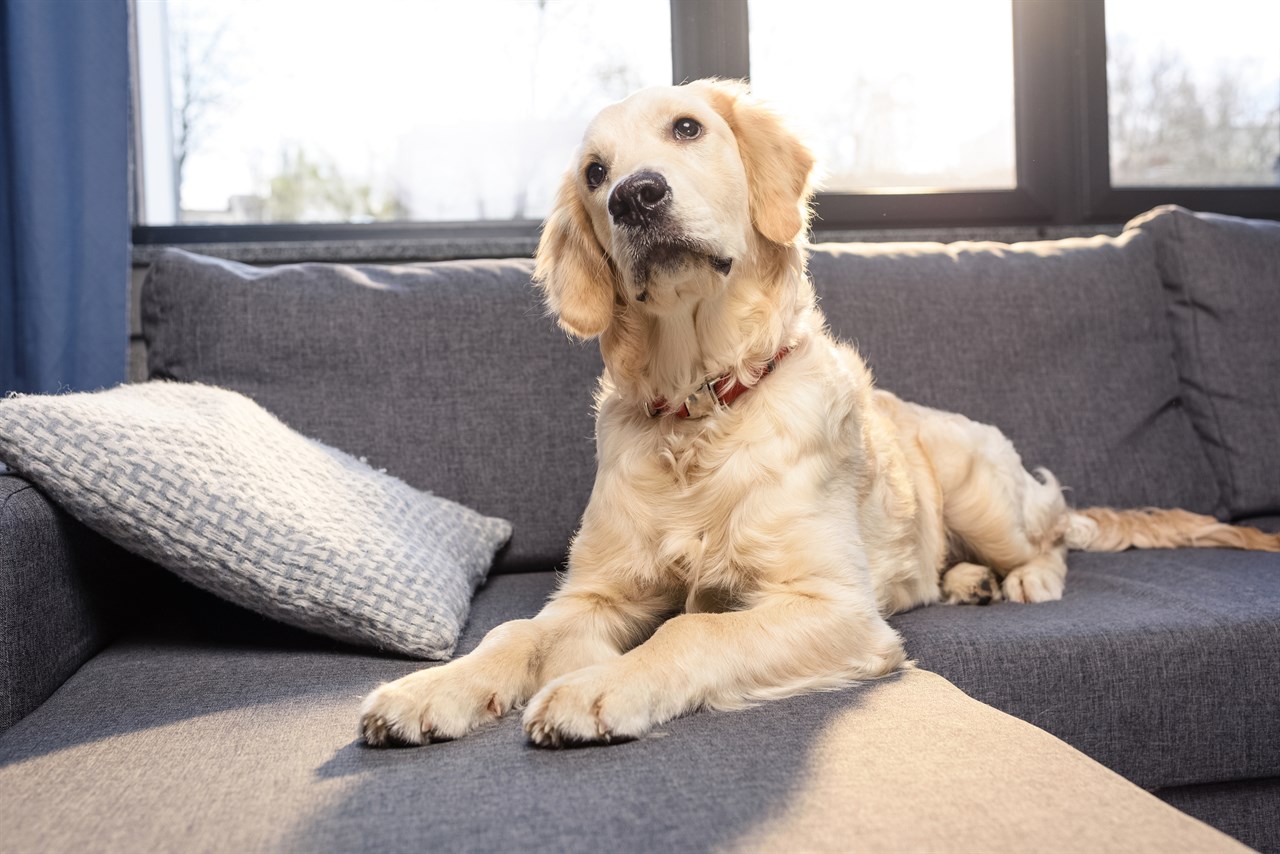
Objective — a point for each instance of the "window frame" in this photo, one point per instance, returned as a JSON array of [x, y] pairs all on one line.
[[1063, 174]]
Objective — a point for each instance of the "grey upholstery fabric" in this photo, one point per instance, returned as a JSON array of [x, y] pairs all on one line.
[[156, 744], [1222, 278], [207, 483], [1248, 810], [447, 375], [55, 600], [1062, 345], [1159, 664]]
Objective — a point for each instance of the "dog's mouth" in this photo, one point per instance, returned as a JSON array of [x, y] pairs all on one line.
[[669, 256], [720, 264]]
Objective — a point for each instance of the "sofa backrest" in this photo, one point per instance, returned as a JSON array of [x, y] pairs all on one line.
[[447, 375], [450, 375], [1063, 345]]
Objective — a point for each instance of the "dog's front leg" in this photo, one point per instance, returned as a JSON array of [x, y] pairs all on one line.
[[786, 641], [579, 627]]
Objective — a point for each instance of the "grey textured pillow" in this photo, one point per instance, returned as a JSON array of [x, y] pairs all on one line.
[[211, 486]]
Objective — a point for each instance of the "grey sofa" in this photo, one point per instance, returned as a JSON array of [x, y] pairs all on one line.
[[139, 713]]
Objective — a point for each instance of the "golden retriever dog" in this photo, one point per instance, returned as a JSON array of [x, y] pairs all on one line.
[[759, 506]]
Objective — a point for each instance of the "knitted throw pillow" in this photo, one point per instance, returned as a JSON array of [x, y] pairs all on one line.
[[208, 484]]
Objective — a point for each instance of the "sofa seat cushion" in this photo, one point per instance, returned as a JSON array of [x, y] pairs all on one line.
[[1222, 279], [1244, 809], [1159, 664], [161, 744], [1063, 345]]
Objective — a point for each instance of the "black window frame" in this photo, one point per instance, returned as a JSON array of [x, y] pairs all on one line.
[[1061, 147]]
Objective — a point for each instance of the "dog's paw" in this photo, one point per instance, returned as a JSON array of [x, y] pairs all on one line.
[[586, 706], [970, 584], [1034, 583], [436, 704]]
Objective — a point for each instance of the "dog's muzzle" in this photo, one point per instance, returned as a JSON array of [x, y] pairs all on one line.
[[640, 205]]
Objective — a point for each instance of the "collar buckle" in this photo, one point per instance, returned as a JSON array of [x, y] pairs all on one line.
[[713, 394]]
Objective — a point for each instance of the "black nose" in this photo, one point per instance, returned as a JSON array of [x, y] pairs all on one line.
[[639, 198]]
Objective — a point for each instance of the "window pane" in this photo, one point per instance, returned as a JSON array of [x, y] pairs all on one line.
[[339, 111], [917, 93], [1193, 91]]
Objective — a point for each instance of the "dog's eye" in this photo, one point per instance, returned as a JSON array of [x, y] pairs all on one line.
[[686, 129], [595, 175]]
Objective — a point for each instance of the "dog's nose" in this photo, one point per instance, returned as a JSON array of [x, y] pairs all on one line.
[[638, 198]]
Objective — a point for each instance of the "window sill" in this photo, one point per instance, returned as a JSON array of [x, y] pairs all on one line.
[[372, 250], [349, 251]]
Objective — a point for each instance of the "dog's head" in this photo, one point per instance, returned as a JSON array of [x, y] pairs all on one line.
[[673, 190]]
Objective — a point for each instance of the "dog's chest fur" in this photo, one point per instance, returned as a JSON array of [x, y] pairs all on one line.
[[696, 542], [717, 504]]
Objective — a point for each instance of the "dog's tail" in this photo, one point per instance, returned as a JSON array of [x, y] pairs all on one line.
[[1101, 529]]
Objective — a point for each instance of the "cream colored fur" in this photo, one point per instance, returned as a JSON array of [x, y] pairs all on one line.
[[753, 553]]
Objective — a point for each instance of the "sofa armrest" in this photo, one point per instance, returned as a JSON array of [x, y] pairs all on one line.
[[56, 606]]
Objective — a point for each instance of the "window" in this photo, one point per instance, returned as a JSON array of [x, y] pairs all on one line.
[[382, 110], [901, 105], [460, 116], [1193, 93]]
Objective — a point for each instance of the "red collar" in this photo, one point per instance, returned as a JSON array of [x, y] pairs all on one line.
[[714, 393]]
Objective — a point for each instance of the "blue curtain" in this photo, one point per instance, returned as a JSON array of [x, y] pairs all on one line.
[[64, 194]]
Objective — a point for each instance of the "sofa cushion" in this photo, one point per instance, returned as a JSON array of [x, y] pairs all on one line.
[[205, 482], [162, 744], [1063, 345], [447, 375], [1222, 279], [1243, 809], [1159, 664]]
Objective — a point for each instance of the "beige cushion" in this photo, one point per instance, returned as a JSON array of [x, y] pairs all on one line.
[[921, 766], [160, 745]]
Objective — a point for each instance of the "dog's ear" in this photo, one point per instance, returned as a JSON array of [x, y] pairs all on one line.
[[576, 278], [778, 165]]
